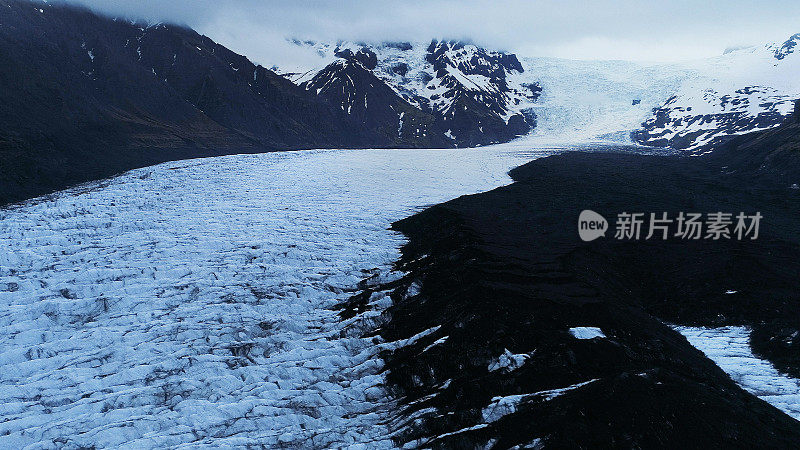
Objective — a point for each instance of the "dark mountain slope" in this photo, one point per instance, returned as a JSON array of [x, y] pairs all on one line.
[[350, 85], [237, 94], [84, 97], [769, 161], [474, 113], [770, 157], [505, 277], [67, 117], [468, 89]]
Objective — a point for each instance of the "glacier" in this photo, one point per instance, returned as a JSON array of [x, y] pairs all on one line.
[[191, 303]]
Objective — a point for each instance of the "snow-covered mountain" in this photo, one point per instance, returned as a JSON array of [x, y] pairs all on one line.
[[466, 88], [350, 85], [479, 96], [741, 91]]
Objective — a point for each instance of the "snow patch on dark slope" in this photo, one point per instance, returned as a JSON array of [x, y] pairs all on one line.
[[729, 348], [742, 91], [465, 87], [350, 85]]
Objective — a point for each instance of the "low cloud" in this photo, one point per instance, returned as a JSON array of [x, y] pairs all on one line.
[[605, 29]]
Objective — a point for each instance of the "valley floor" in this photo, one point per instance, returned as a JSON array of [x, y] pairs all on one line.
[[193, 302]]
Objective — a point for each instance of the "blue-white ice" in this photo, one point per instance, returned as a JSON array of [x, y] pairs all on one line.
[[186, 304], [586, 332], [729, 348]]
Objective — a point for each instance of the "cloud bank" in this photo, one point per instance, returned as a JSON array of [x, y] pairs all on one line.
[[603, 29]]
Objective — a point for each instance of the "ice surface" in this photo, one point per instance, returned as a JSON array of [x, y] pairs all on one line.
[[188, 304], [586, 332], [593, 100], [729, 348]]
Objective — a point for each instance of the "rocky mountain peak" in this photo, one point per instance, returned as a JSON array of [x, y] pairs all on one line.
[[787, 47], [364, 56], [464, 86]]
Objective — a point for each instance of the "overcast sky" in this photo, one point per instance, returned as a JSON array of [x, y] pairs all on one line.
[[603, 29]]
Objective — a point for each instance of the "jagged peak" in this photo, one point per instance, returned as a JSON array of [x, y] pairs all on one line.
[[788, 47], [364, 55]]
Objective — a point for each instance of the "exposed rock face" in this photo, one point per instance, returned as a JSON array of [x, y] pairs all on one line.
[[350, 85], [474, 97], [788, 47], [796, 115], [466, 88], [364, 55]]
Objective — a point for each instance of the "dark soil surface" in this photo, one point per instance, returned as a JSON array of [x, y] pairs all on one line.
[[506, 270]]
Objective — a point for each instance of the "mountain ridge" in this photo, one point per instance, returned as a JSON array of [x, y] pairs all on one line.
[[744, 90], [87, 96], [463, 86]]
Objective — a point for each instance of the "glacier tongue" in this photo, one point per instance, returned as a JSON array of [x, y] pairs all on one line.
[[190, 303], [589, 101]]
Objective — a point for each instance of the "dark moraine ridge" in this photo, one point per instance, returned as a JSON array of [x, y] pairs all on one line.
[[505, 271]]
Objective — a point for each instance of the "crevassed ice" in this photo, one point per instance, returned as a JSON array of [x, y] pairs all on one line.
[[729, 348], [188, 303]]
